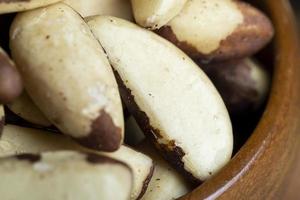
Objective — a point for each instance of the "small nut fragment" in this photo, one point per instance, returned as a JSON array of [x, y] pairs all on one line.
[[155, 13]]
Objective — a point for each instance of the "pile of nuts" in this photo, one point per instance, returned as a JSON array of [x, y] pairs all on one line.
[[91, 74]]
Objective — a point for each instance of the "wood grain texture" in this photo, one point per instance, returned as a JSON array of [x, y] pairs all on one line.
[[264, 166]]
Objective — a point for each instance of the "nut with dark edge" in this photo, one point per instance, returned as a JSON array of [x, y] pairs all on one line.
[[139, 115], [167, 32], [174, 155], [110, 138], [89, 107], [155, 92], [246, 39], [146, 182], [171, 153], [250, 37]]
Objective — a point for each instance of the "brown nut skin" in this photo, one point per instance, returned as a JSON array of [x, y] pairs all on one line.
[[10, 80], [249, 37], [243, 84]]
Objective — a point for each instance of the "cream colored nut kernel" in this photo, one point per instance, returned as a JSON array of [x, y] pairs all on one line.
[[16, 140], [9, 6], [156, 13], [117, 8], [166, 183], [64, 175], [67, 75], [215, 30], [10, 80], [24, 107], [170, 97]]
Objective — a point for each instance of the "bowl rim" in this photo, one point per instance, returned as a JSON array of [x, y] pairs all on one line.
[[284, 98]]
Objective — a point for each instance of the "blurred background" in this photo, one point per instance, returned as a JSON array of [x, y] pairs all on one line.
[[296, 5]]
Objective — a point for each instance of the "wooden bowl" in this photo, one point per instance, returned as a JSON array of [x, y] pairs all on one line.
[[262, 169]]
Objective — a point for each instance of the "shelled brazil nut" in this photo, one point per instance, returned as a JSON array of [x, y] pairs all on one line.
[[118, 8], [217, 30], [86, 175], [243, 84], [9, 6], [16, 140], [172, 100], [156, 13], [68, 76], [10, 79]]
